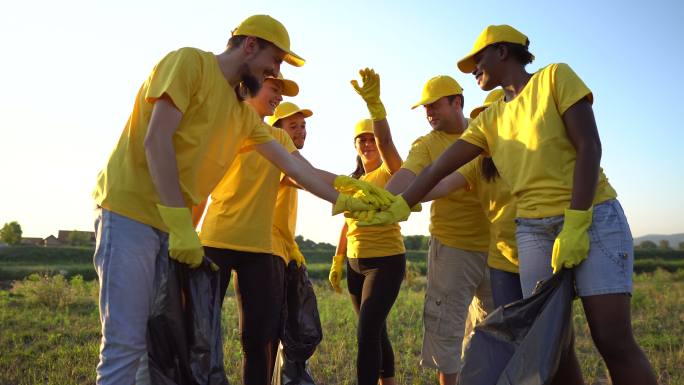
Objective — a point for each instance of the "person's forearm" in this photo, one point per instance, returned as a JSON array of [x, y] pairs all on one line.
[[383, 139], [585, 177], [451, 183], [310, 179], [580, 127], [161, 155], [342, 243], [451, 160], [297, 169], [400, 181]]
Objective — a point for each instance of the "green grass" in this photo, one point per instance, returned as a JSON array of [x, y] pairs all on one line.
[[20, 262], [50, 332]]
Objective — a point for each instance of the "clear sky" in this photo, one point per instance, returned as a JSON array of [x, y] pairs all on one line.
[[69, 72]]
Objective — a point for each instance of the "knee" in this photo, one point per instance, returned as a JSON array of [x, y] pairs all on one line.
[[614, 343]]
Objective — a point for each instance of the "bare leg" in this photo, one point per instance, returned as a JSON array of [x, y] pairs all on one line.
[[609, 318]]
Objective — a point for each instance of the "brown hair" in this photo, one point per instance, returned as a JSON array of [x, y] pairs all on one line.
[[489, 171], [237, 40], [360, 171]]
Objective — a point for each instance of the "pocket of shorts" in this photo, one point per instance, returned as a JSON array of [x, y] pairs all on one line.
[[438, 317], [432, 313], [609, 233]]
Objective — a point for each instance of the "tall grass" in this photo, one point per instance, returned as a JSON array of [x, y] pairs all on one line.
[[50, 332]]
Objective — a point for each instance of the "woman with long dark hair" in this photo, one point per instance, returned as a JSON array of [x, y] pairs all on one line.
[[376, 259]]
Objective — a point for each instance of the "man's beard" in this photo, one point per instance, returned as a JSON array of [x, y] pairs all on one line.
[[249, 84]]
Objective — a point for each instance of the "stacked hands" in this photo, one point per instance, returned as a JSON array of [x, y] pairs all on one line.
[[369, 204]]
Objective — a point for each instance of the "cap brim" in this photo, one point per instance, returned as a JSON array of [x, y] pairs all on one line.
[[293, 59], [425, 101], [467, 64], [476, 111], [290, 88]]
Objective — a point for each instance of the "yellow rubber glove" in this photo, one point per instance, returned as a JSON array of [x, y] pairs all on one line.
[[297, 256], [336, 272], [571, 246], [346, 203], [397, 212], [369, 193], [184, 244], [367, 216], [370, 92]]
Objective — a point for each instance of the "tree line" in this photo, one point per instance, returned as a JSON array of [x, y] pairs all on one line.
[[11, 234]]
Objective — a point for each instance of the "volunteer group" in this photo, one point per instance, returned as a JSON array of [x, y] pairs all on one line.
[[516, 187]]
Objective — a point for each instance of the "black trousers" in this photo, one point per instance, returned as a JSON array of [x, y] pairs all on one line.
[[374, 285], [260, 294]]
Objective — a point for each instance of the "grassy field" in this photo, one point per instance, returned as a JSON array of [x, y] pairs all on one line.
[[20, 262], [50, 332]]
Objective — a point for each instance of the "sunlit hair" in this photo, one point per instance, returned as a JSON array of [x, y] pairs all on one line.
[[236, 41], [518, 51], [451, 99]]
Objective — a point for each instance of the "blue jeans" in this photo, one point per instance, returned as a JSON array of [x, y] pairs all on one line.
[[125, 255], [505, 286], [608, 267]]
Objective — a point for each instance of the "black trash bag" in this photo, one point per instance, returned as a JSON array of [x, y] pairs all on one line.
[[184, 340], [288, 372], [302, 330], [521, 343]]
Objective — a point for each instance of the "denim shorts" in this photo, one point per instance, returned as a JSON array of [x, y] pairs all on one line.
[[608, 267]]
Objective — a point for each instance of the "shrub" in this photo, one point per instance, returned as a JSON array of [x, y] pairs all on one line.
[[54, 291]]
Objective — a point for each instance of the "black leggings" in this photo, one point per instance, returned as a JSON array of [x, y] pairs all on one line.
[[260, 294], [374, 285]]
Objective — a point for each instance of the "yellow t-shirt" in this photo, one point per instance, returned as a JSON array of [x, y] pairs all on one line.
[[499, 207], [456, 220], [240, 215], [215, 125], [527, 139], [374, 241], [284, 222]]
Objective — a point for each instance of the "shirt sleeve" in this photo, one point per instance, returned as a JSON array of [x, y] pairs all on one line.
[[418, 157], [568, 88], [283, 138], [475, 133], [178, 75], [471, 171], [259, 133]]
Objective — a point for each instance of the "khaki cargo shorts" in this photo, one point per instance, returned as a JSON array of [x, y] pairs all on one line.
[[458, 296]]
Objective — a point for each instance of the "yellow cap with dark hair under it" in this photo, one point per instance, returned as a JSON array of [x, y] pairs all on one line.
[[286, 109], [492, 34], [290, 88], [438, 87], [269, 29], [364, 126], [491, 98]]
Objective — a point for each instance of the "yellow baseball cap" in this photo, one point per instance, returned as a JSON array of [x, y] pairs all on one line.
[[438, 87], [290, 88], [492, 34], [491, 98], [269, 29], [363, 126], [286, 109]]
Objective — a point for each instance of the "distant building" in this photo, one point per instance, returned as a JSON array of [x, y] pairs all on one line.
[[31, 241], [52, 241]]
